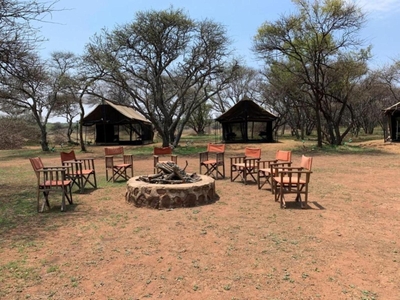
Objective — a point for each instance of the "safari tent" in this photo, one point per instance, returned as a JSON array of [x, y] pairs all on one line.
[[247, 122], [119, 124], [392, 121]]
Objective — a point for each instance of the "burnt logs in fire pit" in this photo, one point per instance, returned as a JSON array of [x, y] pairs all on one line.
[[170, 173], [171, 188]]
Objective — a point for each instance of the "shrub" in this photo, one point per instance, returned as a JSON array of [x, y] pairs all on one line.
[[15, 133]]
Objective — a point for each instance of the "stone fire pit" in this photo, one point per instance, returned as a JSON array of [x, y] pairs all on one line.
[[183, 192]]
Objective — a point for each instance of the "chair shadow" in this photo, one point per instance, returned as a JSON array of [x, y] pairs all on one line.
[[296, 205], [56, 208], [85, 191], [319, 206]]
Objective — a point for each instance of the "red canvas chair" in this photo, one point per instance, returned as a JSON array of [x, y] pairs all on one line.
[[80, 171], [118, 163], [159, 156], [213, 160], [264, 168], [245, 165], [293, 180], [51, 179]]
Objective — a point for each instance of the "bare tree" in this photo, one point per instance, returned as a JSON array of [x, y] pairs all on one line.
[[200, 118], [245, 83], [23, 77], [17, 34], [167, 63], [26, 89], [63, 67]]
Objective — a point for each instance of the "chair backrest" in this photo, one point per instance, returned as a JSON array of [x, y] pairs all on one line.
[[216, 148], [162, 150], [114, 150], [67, 156], [306, 162], [37, 164], [283, 155], [252, 152]]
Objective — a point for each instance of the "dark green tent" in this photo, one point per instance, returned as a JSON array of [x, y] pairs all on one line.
[[247, 122], [119, 124]]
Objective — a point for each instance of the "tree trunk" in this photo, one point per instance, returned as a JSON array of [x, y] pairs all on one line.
[[82, 114], [69, 131], [43, 138], [165, 139], [318, 126]]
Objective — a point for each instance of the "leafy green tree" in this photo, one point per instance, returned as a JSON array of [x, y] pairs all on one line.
[[167, 63], [283, 92], [309, 44]]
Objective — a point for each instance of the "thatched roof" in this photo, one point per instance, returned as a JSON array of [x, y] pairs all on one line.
[[392, 108], [246, 110], [111, 112]]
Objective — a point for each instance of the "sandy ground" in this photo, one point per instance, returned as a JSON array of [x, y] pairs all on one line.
[[345, 245]]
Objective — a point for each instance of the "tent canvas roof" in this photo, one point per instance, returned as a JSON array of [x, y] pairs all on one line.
[[246, 109], [130, 113], [393, 107]]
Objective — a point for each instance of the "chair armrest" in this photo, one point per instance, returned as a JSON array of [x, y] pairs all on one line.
[[72, 162], [238, 156], [88, 163], [109, 159], [220, 156], [265, 164], [237, 159], [203, 156], [251, 163], [128, 158], [282, 165], [269, 161], [52, 174], [53, 168], [283, 168], [303, 171], [295, 175], [74, 167]]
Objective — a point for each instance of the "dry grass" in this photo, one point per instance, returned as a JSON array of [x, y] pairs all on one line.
[[344, 246]]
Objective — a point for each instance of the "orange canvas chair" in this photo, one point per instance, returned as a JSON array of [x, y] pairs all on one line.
[[118, 163], [51, 179], [160, 154], [264, 168], [80, 171], [245, 165], [293, 180], [213, 160]]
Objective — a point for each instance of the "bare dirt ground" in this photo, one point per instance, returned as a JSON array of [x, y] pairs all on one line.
[[346, 245]]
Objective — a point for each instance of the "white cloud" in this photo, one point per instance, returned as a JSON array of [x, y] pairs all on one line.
[[378, 5]]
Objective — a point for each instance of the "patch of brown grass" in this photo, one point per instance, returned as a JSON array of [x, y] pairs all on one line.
[[344, 246]]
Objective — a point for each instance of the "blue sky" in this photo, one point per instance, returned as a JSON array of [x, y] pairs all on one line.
[[71, 29]]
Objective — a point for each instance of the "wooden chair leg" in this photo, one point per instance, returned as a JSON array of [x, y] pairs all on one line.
[[63, 201], [38, 201]]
